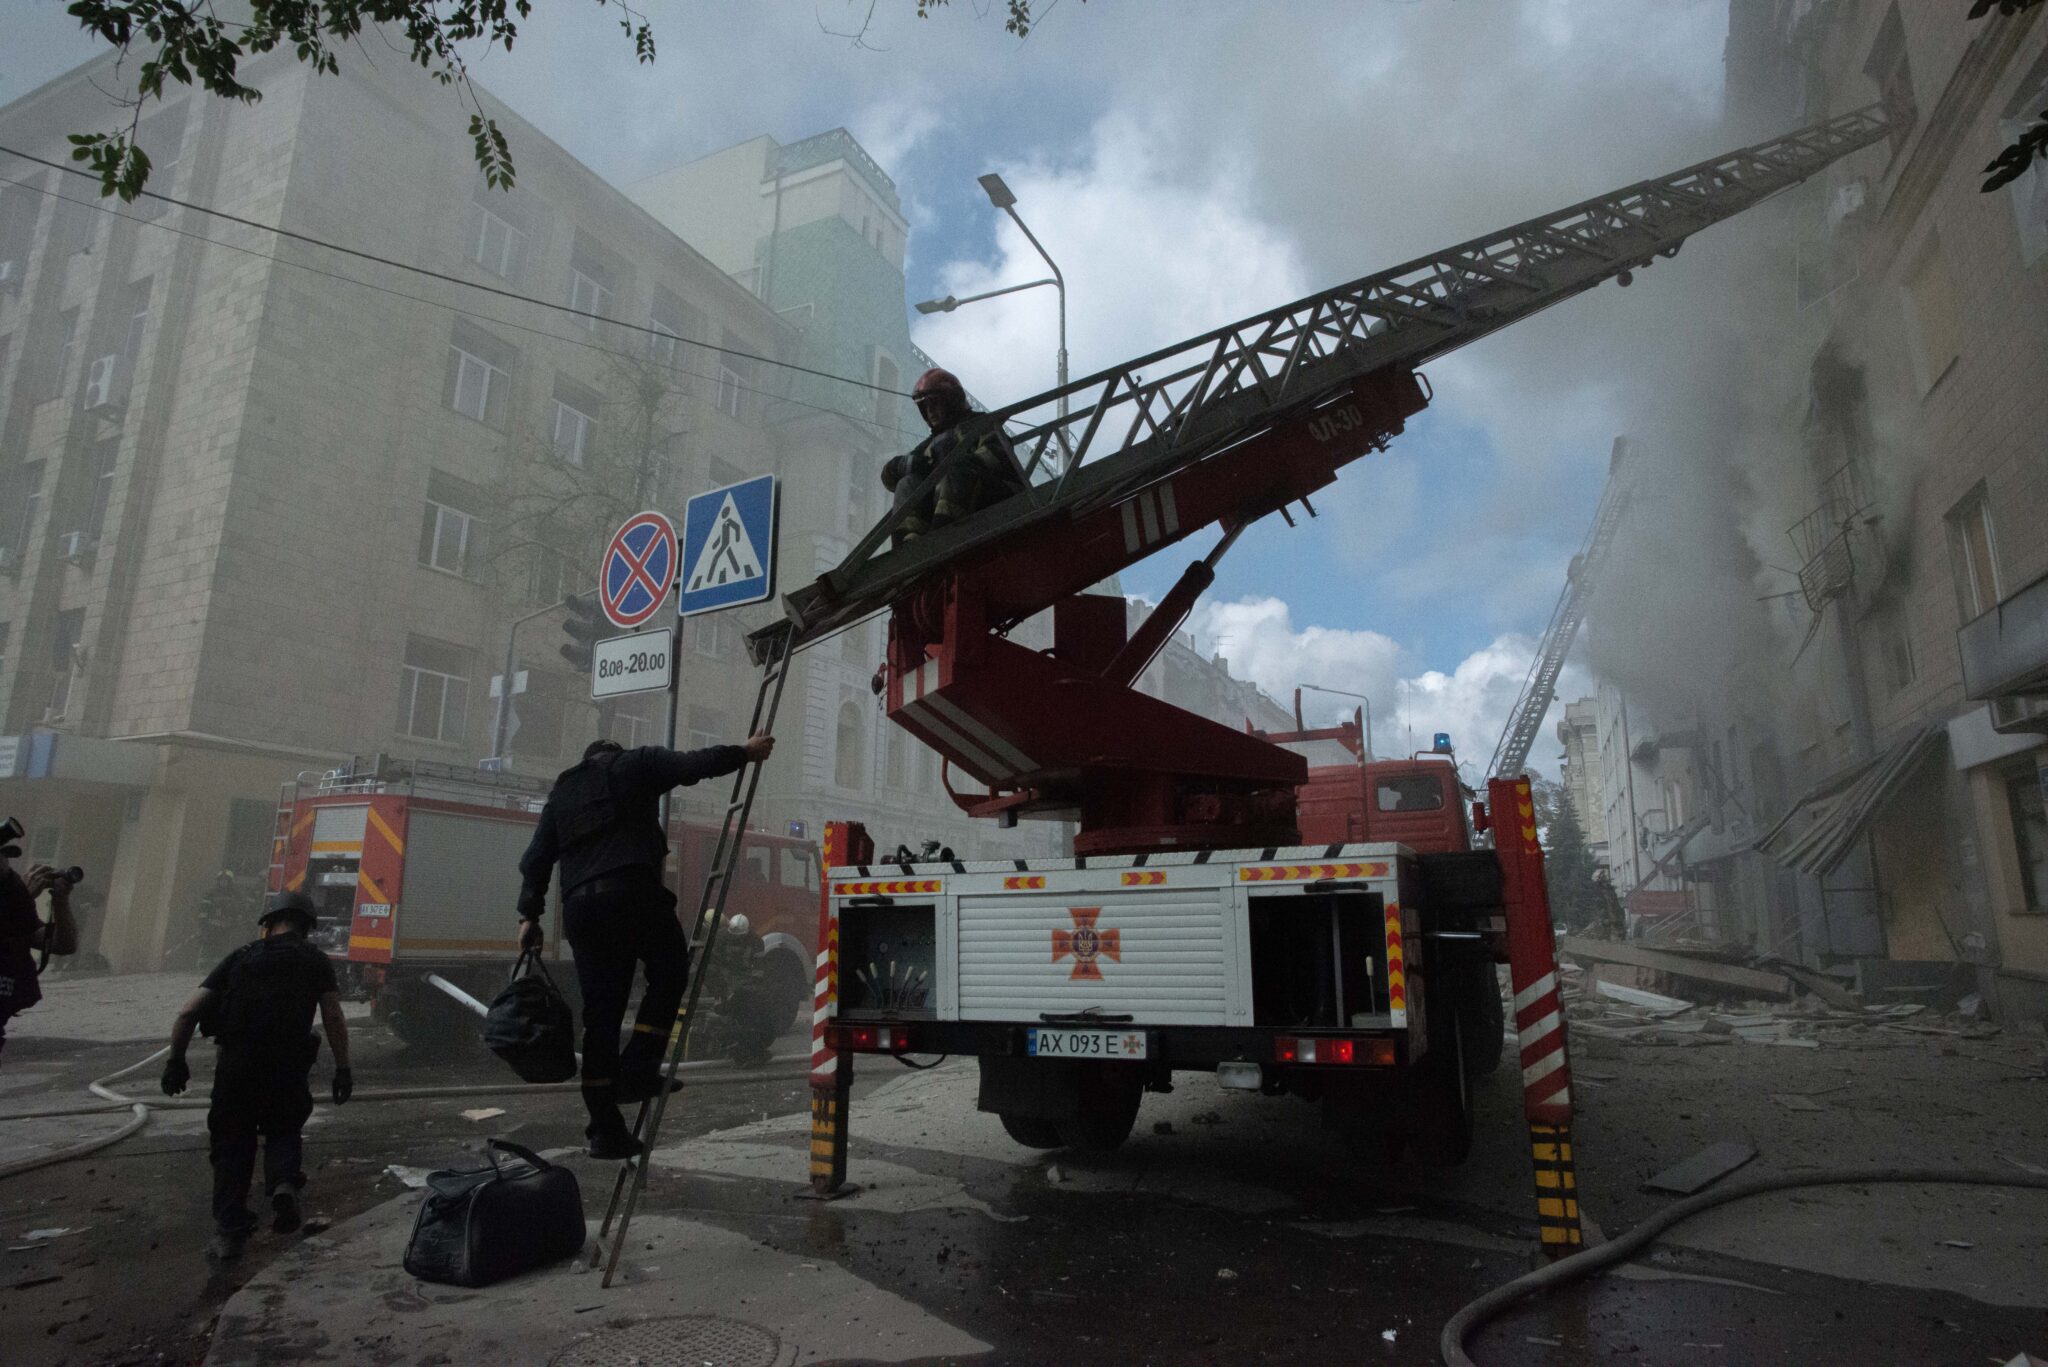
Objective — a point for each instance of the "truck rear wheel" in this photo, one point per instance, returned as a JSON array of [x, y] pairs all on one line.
[[1443, 1132], [789, 989], [1032, 1134], [1109, 1108]]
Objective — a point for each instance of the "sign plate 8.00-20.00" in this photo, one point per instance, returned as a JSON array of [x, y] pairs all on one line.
[[631, 664]]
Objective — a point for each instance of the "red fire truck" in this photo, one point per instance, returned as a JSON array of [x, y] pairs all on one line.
[[1199, 926], [414, 867]]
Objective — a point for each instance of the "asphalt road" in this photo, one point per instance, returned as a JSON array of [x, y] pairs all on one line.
[[1230, 1229]]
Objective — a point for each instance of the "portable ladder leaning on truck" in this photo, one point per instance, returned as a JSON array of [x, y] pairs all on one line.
[[1222, 429]]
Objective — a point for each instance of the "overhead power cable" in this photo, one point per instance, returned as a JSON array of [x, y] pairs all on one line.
[[432, 274], [491, 319]]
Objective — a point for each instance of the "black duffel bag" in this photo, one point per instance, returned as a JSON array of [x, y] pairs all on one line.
[[530, 1025], [486, 1224]]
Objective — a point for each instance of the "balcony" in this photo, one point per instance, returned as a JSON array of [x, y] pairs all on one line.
[[2005, 651]]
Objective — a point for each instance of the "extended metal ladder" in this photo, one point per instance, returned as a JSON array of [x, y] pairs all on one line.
[[771, 650], [1539, 689]]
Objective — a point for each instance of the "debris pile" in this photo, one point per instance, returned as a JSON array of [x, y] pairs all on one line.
[[1735, 1009]]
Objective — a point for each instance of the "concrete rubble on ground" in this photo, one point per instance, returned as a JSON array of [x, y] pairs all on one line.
[[1600, 1008]]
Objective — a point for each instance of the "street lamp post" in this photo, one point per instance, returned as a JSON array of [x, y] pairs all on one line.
[[1003, 198], [1338, 692]]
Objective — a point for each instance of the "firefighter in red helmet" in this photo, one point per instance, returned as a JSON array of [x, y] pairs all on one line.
[[985, 472]]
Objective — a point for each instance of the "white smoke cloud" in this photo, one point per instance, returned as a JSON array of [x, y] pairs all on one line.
[[1471, 701]]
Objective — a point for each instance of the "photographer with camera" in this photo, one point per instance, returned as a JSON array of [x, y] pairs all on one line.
[[23, 932], [258, 1006]]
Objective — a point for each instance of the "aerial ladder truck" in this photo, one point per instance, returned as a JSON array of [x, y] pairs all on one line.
[[1539, 689], [1192, 930]]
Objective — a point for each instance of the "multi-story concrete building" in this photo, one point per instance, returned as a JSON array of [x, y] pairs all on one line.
[[1921, 305], [272, 506], [1578, 731]]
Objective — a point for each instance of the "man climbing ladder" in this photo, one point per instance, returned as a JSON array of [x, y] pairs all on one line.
[[602, 824]]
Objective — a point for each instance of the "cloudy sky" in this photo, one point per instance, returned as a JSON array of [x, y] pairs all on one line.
[[1188, 164]]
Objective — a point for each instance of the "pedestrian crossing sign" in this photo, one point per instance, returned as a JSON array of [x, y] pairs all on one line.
[[729, 546]]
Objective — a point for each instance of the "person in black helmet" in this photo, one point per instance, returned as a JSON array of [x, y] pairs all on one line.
[[985, 473], [258, 1005], [602, 825]]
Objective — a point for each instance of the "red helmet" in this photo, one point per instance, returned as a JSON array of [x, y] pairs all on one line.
[[939, 384]]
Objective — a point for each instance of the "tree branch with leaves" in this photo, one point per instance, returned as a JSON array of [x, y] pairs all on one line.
[[2016, 157], [185, 42]]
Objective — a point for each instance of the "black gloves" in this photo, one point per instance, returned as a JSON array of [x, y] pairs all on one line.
[[176, 1074], [344, 1085]]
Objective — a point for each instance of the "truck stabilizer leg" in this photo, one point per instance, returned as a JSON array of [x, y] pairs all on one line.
[[1538, 1012], [846, 842]]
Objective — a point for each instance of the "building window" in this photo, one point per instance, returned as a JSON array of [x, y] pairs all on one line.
[[433, 691], [1888, 67], [138, 318], [546, 575], [711, 636], [664, 346], [849, 758], [735, 378], [64, 660], [1931, 305], [574, 432], [631, 729], [707, 728], [1973, 553], [61, 357], [2030, 836], [106, 460], [893, 772], [479, 380], [451, 538], [542, 712], [492, 242], [590, 293], [888, 379], [162, 137], [6, 630], [26, 495], [73, 225]]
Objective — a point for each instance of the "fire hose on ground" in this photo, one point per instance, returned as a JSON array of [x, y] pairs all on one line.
[[1451, 1343], [711, 1072]]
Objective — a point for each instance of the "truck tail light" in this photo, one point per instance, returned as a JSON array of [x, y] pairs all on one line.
[[1377, 1053], [878, 1039]]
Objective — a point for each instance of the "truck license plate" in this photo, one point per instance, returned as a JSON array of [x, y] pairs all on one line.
[[1044, 1043]]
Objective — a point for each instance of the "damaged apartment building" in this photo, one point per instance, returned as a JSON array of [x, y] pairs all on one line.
[[1838, 751]]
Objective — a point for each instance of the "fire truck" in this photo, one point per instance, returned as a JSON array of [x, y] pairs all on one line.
[[1224, 910], [414, 868]]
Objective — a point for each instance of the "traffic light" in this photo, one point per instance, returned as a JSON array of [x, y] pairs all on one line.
[[585, 626]]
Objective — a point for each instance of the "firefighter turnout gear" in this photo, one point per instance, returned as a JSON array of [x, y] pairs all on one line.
[[259, 1005], [979, 468], [602, 827]]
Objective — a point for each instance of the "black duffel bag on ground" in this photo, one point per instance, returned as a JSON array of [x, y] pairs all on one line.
[[530, 1025], [486, 1224]]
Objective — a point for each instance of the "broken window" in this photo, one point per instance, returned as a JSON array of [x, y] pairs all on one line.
[[1413, 793]]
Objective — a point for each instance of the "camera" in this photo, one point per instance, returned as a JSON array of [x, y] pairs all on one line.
[[11, 831]]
